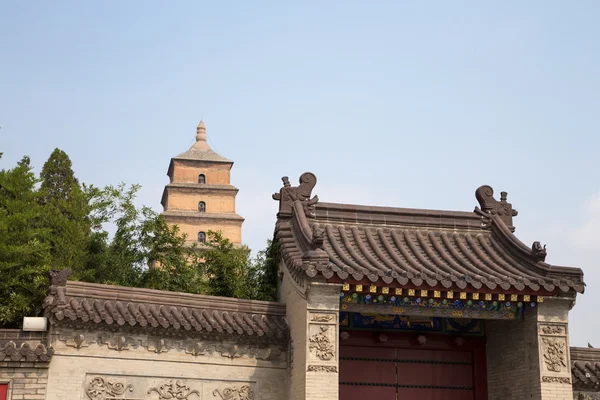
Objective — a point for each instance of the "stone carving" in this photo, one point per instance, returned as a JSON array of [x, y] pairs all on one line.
[[554, 354], [318, 235], [322, 368], [538, 252], [197, 348], [59, 277], [288, 195], [159, 346], [322, 317], [553, 330], [322, 346], [242, 393], [235, 350], [99, 388], [174, 390], [118, 342], [492, 207], [251, 347], [556, 379], [56, 300], [77, 340]]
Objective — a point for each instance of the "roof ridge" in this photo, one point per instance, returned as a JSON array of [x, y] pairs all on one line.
[[162, 297]]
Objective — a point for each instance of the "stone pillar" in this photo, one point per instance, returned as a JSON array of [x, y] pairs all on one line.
[[312, 313], [529, 359], [553, 341]]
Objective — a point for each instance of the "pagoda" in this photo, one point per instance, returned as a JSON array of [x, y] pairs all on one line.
[[199, 197]]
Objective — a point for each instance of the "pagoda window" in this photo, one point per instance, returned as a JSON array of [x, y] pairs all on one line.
[[202, 207], [201, 179], [201, 237]]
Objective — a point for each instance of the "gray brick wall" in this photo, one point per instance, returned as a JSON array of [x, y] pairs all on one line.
[[512, 359]]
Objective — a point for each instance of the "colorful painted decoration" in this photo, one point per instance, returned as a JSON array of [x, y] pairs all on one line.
[[432, 307]]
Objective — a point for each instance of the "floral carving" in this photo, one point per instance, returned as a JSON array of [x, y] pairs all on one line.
[[173, 390], [553, 330], [322, 346], [242, 393], [554, 354], [98, 388], [556, 379], [322, 368], [322, 318]]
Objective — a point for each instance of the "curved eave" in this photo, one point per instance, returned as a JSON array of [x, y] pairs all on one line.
[[522, 253], [420, 254]]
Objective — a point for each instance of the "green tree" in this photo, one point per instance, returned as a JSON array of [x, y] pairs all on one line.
[[24, 250], [261, 277], [66, 212], [225, 267], [144, 250]]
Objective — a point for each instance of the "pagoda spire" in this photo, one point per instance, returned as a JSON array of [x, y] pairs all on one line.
[[201, 143], [201, 132]]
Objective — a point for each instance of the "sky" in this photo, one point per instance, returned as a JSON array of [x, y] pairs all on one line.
[[395, 103]]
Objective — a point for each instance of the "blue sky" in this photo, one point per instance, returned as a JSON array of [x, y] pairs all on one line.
[[407, 104]]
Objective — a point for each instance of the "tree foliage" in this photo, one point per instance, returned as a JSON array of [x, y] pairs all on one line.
[[54, 222], [24, 249], [66, 211]]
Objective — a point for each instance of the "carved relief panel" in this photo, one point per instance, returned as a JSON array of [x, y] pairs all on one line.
[[103, 387], [554, 353], [322, 342]]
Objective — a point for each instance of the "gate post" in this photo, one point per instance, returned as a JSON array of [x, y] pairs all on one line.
[[312, 311], [529, 359], [553, 341]]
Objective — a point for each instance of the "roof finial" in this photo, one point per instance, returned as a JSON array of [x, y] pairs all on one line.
[[201, 132]]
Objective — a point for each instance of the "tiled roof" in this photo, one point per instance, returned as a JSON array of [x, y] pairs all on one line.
[[11, 351], [115, 305], [585, 368], [201, 151], [17, 345], [202, 155], [400, 246]]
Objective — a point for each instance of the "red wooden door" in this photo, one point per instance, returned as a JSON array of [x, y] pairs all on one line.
[[3, 391], [367, 373], [400, 369]]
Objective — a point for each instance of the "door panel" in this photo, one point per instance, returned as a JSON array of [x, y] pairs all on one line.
[[410, 372], [367, 373]]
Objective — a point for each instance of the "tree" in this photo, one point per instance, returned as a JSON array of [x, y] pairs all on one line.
[[144, 251], [231, 273], [66, 212], [63, 224], [262, 274], [24, 250], [225, 267]]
